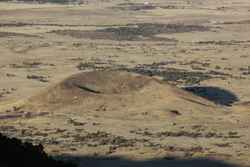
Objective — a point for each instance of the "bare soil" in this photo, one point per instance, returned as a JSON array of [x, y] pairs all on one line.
[[118, 83]]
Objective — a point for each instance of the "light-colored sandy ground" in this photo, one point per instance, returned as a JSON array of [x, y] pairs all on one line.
[[42, 44]]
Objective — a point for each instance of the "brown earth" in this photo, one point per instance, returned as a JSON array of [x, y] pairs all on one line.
[[119, 93], [118, 83]]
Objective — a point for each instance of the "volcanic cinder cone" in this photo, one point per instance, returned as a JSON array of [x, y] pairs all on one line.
[[118, 94]]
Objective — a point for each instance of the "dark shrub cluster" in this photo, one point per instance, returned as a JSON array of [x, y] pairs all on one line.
[[15, 153]]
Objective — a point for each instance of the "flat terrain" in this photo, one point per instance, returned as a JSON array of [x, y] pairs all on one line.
[[191, 106]]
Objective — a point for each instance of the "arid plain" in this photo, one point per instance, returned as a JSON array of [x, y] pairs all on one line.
[[129, 83]]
